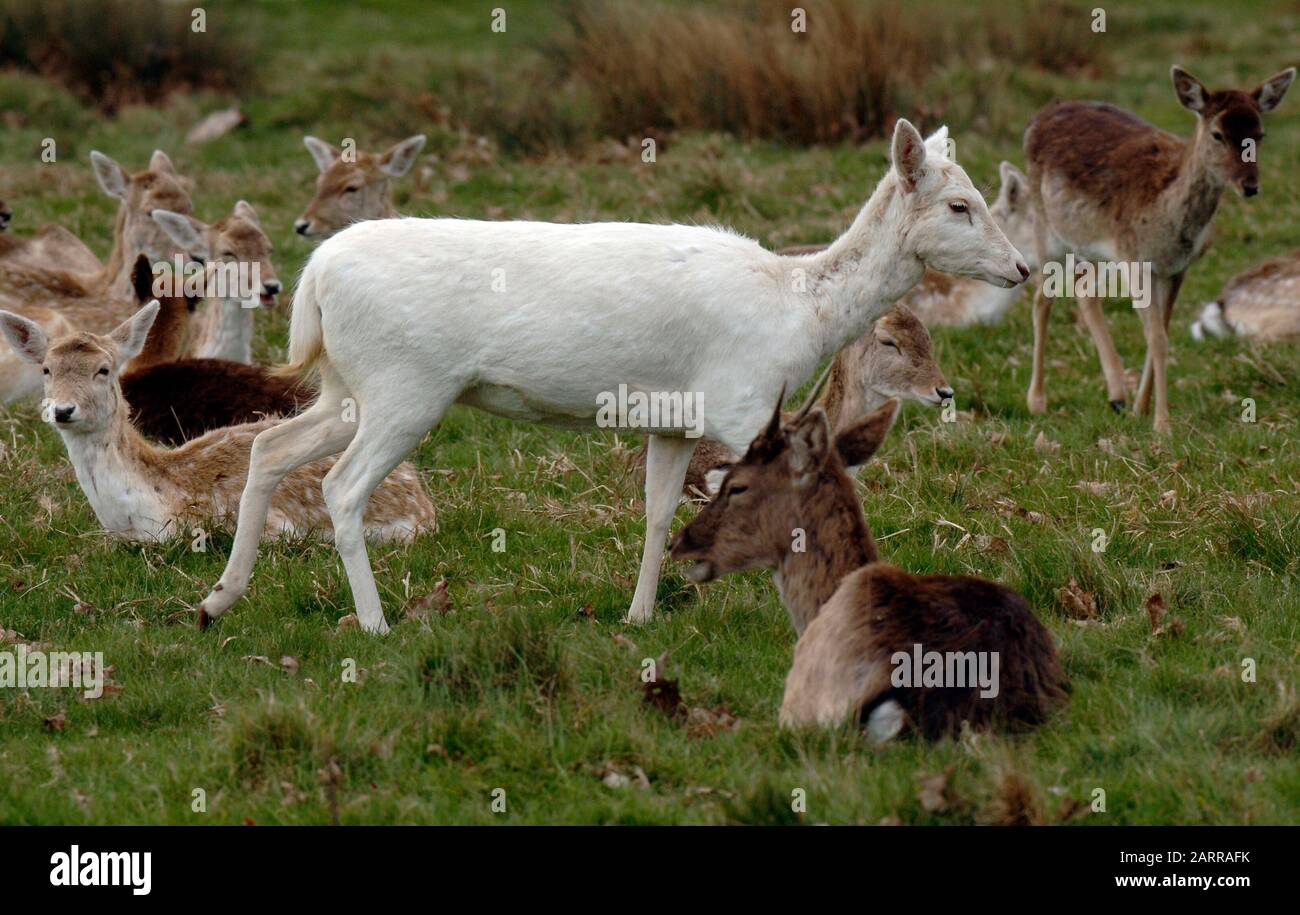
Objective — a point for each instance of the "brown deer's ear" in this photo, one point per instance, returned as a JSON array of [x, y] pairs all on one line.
[[1271, 90], [770, 442], [1191, 93], [25, 336], [809, 446], [860, 441], [142, 279]]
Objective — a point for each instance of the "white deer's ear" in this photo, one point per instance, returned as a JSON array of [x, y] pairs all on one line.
[[1271, 91], [244, 210], [185, 232], [398, 161], [937, 145], [324, 154], [26, 337], [111, 176], [161, 162], [908, 154], [809, 447], [1190, 91], [860, 441], [129, 336], [713, 480], [1014, 183]]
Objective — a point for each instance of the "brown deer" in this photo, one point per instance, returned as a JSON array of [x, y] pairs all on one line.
[[227, 248], [58, 264], [353, 187], [142, 492], [1262, 303], [790, 505], [1108, 186], [894, 360]]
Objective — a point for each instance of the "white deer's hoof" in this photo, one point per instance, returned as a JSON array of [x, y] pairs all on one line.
[[638, 616], [375, 628]]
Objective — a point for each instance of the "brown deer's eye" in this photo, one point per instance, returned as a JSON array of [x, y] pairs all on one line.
[[737, 490], [1217, 135], [45, 370], [102, 373]]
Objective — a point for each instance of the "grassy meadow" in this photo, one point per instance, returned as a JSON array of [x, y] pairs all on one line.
[[513, 670]]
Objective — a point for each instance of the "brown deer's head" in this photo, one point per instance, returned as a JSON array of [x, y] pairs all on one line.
[[81, 369], [897, 360], [1232, 120], [353, 187], [157, 187], [792, 477], [225, 247]]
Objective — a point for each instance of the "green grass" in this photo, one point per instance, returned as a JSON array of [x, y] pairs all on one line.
[[516, 688]]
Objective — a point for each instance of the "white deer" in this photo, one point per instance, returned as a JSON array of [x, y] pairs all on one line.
[[539, 321]]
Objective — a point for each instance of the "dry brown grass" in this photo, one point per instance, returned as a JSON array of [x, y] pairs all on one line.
[[743, 70], [119, 52]]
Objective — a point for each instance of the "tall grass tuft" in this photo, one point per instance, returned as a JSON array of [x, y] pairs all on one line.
[[121, 52]]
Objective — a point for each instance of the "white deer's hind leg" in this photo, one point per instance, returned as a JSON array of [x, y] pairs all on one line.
[[319, 431], [665, 471], [379, 446]]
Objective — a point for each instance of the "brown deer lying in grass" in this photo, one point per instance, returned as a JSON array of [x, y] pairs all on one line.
[[1262, 303], [894, 360], [237, 242], [789, 505], [142, 492], [1107, 186], [945, 300], [353, 188], [173, 400], [58, 264]]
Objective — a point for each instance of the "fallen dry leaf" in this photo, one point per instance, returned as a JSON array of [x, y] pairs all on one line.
[[438, 601], [56, 722], [1155, 610], [349, 622], [932, 795], [289, 664], [1077, 603], [1044, 445]]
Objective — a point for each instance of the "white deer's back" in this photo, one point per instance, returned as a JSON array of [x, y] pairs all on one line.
[[532, 320]]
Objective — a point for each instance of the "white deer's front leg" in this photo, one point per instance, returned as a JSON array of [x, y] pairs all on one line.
[[665, 471]]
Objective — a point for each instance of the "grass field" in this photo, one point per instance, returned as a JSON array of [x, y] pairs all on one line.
[[529, 681]]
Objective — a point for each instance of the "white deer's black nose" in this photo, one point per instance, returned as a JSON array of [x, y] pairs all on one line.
[[1024, 270]]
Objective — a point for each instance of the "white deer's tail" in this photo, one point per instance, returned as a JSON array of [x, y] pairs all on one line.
[[1211, 322], [306, 339]]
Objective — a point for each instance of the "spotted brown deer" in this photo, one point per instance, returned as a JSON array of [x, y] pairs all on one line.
[[57, 264], [895, 359], [1108, 186], [354, 187], [789, 505], [486, 312], [236, 242], [1261, 303], [142, 492]]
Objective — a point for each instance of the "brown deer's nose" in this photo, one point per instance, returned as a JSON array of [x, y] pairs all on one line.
[[1250, 187], [944, 392], [300, 226]]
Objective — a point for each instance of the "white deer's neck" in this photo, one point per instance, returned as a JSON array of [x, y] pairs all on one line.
[[112, 475], [865, 271], [226, 331]]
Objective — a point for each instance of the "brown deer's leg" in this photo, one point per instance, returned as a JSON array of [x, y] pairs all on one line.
[[1164, 293], [1111, 365], [1042, 314]]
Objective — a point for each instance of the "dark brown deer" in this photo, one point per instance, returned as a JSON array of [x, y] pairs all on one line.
[[173, 400], [1108, 186], [790, 506]]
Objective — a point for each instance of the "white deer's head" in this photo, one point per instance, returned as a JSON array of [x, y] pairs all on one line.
[[946, 224]]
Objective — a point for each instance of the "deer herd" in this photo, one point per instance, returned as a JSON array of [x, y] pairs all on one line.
[[170, 425]]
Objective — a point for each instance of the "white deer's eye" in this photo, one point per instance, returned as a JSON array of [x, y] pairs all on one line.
[[957, 206]]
